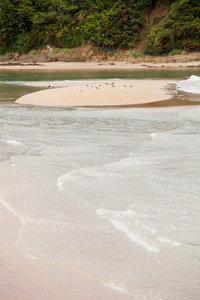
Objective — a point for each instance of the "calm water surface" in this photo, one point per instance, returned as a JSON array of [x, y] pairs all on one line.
[[112, 193]]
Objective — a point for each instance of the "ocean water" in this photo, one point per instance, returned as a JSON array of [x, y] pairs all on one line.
[[113, 194]]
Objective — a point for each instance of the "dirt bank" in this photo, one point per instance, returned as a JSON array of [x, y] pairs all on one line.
[[90, 54]]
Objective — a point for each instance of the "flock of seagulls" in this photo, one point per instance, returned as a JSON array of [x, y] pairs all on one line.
[[97, 87], [112, 84]]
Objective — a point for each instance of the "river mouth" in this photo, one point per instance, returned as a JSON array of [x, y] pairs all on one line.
[[99, 203]]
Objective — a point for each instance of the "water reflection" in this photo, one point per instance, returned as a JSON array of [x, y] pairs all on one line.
[[45, 75]]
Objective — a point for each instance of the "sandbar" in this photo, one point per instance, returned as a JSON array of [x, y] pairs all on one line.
[[98, 93]]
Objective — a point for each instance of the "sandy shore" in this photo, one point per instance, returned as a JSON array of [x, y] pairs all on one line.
[[23, 278], [98, 93], [99, 65]]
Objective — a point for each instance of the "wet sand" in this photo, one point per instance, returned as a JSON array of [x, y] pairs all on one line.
[[98, 93], [23, 278], [117, 65]]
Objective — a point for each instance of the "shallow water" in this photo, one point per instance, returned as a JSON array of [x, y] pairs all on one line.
[[112, 193]]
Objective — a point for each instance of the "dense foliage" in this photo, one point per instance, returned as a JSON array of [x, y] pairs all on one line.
[[180, 29], [29, 24]]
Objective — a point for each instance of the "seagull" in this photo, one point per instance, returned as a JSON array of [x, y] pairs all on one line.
[[50, 86], [80, 90]]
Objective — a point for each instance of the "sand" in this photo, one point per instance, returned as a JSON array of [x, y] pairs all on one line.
[[105, 65], [98, 93]]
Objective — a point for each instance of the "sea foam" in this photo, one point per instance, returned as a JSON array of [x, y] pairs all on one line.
[[14, 143], [191, 85], [119, 220]]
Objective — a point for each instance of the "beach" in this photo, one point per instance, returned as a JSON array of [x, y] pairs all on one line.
[[155, 64], [99, 198]]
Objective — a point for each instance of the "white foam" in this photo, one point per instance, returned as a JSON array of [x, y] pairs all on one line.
[[191, 85], [133, 237], [14, 143], [5, 204], [23, 220], [60, 182], [63, 178], [118, 288], [153, 135], [142, 294], [13, 82], [119, 220], [31, 257], [169, 241]]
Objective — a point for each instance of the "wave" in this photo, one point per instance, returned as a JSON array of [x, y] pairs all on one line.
[[140, 226], [100, 177], [121, 223], [14, 142], [102, 173], [191, 85], [13, 82], [13, 211]]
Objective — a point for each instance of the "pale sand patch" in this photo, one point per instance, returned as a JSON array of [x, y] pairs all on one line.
[[99, 93], [117, 65]]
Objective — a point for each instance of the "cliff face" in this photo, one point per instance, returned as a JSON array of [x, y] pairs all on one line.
[[142, 26]]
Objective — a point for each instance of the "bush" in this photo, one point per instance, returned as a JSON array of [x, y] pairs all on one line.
[[175, 52], [178, 30], [21, 43], [134, 53]]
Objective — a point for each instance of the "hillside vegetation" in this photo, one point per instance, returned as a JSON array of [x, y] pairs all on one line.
[[156, 27]]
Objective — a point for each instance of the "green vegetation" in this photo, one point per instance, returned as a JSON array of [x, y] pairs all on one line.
[[108, 25], [35, 52], [68, 51], [56, 50], [134, 53], [179, 30]]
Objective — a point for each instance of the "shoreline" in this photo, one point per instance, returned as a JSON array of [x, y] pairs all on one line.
[[25, 278], [98, 65], [98, 93]]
